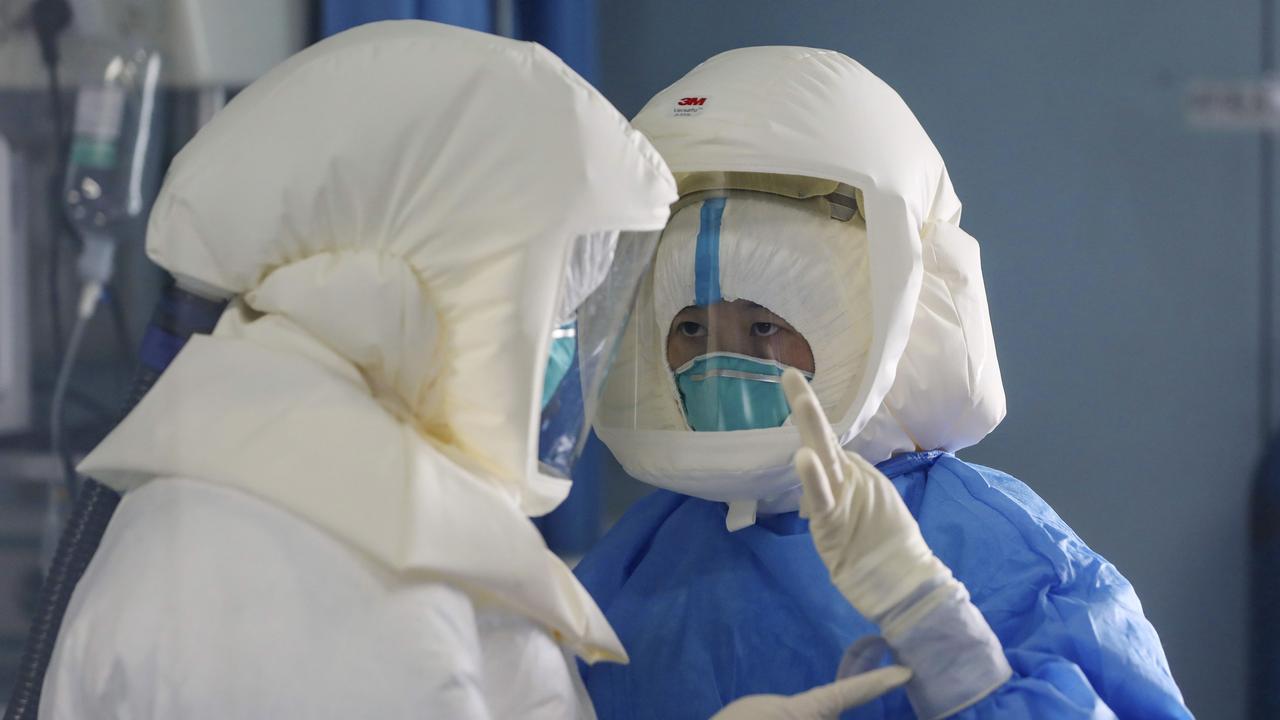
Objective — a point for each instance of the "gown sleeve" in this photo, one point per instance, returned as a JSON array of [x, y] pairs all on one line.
[[1071, 625]]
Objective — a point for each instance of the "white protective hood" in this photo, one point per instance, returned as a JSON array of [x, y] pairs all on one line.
[[931, 379], [394, 207]]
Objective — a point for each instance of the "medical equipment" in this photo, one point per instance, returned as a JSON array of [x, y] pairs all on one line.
[[113, 131]]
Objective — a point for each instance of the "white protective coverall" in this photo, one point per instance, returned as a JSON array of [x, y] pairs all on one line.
[[326, 501]]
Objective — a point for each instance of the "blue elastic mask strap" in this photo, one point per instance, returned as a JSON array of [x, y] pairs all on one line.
[[706, 266]]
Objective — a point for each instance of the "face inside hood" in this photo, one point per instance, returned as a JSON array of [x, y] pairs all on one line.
[[803, 124]]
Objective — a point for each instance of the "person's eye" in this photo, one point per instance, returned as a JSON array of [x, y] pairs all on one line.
[[763, 329], [688, 328]]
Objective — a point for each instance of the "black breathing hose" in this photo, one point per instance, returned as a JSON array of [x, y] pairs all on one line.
[[178, 316]]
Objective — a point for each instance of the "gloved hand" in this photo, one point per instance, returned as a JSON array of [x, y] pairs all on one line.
[[862, 529], [878, 559], [820, 703]]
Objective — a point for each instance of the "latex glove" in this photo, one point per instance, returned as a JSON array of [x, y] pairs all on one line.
[[863, 531], [878, 559], [820, 703]]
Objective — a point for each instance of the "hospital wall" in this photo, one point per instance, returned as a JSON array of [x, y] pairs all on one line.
[[1121, 248]]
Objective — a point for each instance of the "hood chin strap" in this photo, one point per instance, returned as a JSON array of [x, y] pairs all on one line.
[[742, 514]]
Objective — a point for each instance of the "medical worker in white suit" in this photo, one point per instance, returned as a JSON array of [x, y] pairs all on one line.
[[431, 239], [326, 501]]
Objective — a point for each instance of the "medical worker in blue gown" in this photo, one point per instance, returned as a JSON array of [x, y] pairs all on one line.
[[817, 240]]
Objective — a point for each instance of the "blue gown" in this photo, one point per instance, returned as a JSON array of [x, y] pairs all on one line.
[[709, 616]]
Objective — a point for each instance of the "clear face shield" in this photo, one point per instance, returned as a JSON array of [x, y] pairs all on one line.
[[744, 285], [598, 293]]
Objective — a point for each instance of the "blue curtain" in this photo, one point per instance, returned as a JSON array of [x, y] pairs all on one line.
[[566, 27], [339, 15]]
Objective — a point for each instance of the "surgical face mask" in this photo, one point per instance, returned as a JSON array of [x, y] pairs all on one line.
[[727, 391], [564, 348]]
